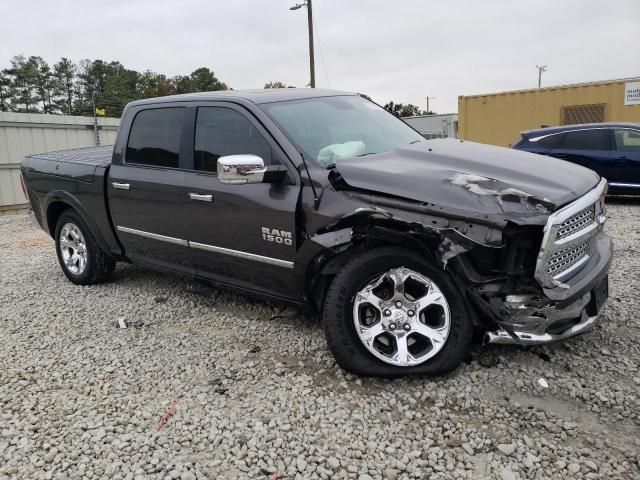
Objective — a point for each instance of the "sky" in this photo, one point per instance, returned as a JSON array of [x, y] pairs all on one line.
[[402, 50]]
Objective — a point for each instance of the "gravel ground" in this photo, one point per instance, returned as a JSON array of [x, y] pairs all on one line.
[[249, 390]]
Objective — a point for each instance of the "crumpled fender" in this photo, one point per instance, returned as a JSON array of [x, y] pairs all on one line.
[[451, 238]]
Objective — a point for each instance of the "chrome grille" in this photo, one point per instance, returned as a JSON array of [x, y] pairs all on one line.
[[576, 223], [568, 235], [563, 260]]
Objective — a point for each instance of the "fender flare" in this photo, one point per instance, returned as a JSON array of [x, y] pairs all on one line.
[[61, 196]]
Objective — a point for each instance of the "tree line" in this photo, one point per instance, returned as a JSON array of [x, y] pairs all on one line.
[[31, 85], [402, 110]]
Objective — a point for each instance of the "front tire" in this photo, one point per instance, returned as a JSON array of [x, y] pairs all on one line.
[[389, 313], [81, 258]]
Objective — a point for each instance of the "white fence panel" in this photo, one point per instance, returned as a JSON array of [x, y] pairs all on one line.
[[24, 134]]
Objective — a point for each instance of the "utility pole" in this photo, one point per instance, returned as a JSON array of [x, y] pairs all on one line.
[[429, 98], [312, 63], [95, 116], [541, 70]]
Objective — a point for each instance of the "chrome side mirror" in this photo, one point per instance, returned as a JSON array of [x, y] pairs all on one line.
[[234, 169]]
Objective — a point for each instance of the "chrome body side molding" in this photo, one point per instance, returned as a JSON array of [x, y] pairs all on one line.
[[154, 236], [210, 248], [237, 253]]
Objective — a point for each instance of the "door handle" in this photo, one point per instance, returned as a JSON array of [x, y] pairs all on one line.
[[201, 197], [121, 186]]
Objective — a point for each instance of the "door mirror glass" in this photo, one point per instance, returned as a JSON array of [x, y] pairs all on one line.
[[234, 169]]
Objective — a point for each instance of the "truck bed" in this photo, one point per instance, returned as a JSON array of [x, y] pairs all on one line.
[[79, 164], [75, 178]]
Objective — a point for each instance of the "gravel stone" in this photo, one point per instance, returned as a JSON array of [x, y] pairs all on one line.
[[507, 474], [507, 449], [573, 467], [247, 389]]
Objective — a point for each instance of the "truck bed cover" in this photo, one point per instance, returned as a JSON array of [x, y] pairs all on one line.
[[78, 164], [95, 156]]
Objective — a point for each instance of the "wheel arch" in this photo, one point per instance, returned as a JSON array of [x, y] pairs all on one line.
[[341, 245], [58, 202]]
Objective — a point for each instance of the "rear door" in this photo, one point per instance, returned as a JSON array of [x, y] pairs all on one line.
[[589, 147], [239, 234], [145, 189], [626, 155]]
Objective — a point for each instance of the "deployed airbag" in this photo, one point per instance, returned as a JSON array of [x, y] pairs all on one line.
[[329, 154]]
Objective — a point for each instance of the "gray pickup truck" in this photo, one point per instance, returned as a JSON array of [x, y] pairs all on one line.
[[323, 199]]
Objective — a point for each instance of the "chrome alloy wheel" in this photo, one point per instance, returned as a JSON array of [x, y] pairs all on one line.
[[73, 248], [402, 317]]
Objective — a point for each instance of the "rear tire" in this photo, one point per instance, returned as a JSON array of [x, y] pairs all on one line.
[[79, 254], [436, 343]]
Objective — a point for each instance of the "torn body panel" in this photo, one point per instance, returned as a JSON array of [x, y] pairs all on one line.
[[501, 192], [452, 237], [376, 221]]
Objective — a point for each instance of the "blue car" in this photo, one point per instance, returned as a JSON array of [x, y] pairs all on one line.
[[610, 149]]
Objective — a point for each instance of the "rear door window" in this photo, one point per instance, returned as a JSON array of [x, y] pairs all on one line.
[[594, 139], [627, 139], [155, 137]]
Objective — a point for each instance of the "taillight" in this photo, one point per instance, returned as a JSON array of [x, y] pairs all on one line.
[[24, 188]]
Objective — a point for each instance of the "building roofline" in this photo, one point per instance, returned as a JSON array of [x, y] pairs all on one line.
[[433, 115], [554, 87]]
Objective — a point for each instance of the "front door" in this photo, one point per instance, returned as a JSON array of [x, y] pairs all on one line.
[[239, 234], [146, 193]]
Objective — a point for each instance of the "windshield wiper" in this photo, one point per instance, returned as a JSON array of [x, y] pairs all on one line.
[[416, 141], [365, 154]]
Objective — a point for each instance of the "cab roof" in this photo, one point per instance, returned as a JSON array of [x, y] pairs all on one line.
[[268, 95]]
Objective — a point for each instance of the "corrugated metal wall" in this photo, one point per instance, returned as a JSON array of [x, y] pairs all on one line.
[[443, 125], [499, 118], [27, 133]]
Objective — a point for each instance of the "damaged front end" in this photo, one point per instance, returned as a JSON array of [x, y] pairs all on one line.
[[531, 273], [531, 319], [572, 271]]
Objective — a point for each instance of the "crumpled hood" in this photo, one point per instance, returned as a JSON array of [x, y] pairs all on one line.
[[468, 176]]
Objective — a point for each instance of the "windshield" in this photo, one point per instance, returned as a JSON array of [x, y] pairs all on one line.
[[327, 129]]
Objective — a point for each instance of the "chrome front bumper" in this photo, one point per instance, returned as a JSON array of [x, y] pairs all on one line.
[[525, 338], [533, 321]]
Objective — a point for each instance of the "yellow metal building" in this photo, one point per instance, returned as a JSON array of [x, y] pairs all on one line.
[[498, 118]]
